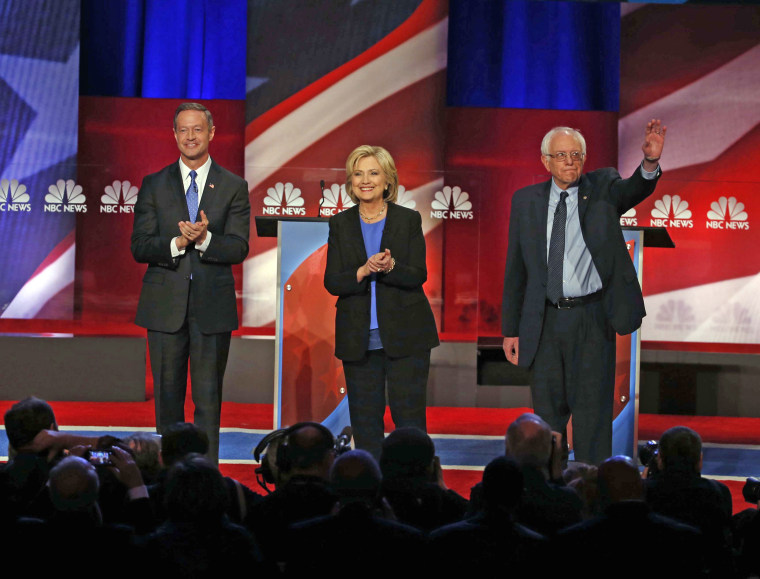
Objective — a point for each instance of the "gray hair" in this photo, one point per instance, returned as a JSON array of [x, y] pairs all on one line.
[[575, 133], [193, 107]]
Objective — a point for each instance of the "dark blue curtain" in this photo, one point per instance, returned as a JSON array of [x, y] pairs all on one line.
[[192, 49], [537, 55]]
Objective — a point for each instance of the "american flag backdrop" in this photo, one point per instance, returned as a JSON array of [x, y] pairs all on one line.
[[460, 92], [698, 68], [39, 91], [323, 79]]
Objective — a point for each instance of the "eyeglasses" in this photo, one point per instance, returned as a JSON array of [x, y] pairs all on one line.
[[562, 156]]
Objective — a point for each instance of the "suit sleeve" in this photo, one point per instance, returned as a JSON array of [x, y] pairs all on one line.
[[410, 271], [340, 275], [628, 193], [147, 244], [231, 246], [515, 278]]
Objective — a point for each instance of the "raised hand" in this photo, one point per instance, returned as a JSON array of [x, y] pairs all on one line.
[[654, 140]]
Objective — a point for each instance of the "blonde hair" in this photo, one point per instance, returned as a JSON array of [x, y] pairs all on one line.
[[386, 163]]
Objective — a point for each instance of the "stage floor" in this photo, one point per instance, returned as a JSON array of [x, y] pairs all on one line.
[[466, 439]]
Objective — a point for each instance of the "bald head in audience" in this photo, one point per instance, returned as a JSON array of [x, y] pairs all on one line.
[[356, 475], [73, 485], [619, 480], [529, 441]]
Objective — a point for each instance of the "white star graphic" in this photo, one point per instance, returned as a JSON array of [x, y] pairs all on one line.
[[52, 90], [254, 82]]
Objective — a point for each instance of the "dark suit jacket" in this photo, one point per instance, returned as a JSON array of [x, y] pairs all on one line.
[[404, 316], [603, 198], [489, 545], [672, 549], [160, 207], [355, 543]]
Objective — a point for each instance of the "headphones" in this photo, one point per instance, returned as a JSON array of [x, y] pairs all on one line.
[[284, 454]]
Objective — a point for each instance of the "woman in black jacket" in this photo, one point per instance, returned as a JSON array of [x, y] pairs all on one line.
[[384, 327]]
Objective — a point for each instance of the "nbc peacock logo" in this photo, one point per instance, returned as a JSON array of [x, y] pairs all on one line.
[[628, 219], [65, 196], [675, 315], [727, 213], [119, 197], [451, 203], [13, 196], [336, 200], [284, 199], [671, 211], [733, 317], [405, 198]]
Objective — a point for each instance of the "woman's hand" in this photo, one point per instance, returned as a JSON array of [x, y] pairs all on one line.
[[381, 261], [378, 263]]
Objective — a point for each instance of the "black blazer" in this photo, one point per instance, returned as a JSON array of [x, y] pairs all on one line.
[[602, 198], [160, 207], [404, 316]]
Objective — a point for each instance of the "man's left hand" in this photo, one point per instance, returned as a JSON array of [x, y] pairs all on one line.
[[654, 141]]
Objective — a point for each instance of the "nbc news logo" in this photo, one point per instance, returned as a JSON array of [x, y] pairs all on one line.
[[451, 203], [671, 212], [284, 199], [13, 196], [727, 213], [119, 197], [336, 200], [65, 197]]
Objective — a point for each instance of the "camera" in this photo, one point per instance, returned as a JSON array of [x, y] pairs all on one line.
[[751, 490], [648, 457], [100, 457]]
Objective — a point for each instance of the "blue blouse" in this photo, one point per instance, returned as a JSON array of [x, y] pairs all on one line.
[[373, 235]]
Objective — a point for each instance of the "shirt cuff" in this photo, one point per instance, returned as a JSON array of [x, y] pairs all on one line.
[[175, 252], [140, 492], [204, 246], [649, 175]]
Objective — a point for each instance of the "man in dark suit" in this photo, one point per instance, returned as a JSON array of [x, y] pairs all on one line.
[[191, 223], [672, 549], [679, 490], [570, 284]]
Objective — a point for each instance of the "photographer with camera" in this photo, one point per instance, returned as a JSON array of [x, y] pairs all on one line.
[[35, 447], [680, 491], [547, 505]]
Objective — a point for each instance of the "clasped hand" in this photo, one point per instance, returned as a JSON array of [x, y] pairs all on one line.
[[192, 232], [378, 263]]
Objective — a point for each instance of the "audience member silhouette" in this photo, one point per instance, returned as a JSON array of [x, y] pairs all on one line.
[[35, 445], [304, 458], [679, 491], [359, 532], [413, 481], [491, 542], [181, 440], [676, 549], [546, 505], [197, 539]]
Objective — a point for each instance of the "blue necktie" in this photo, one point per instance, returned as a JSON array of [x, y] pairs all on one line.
[[557, 251], [192, 197]]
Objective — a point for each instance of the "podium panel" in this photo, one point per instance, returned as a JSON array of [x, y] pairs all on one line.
[[626, 403], [309, 381]]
